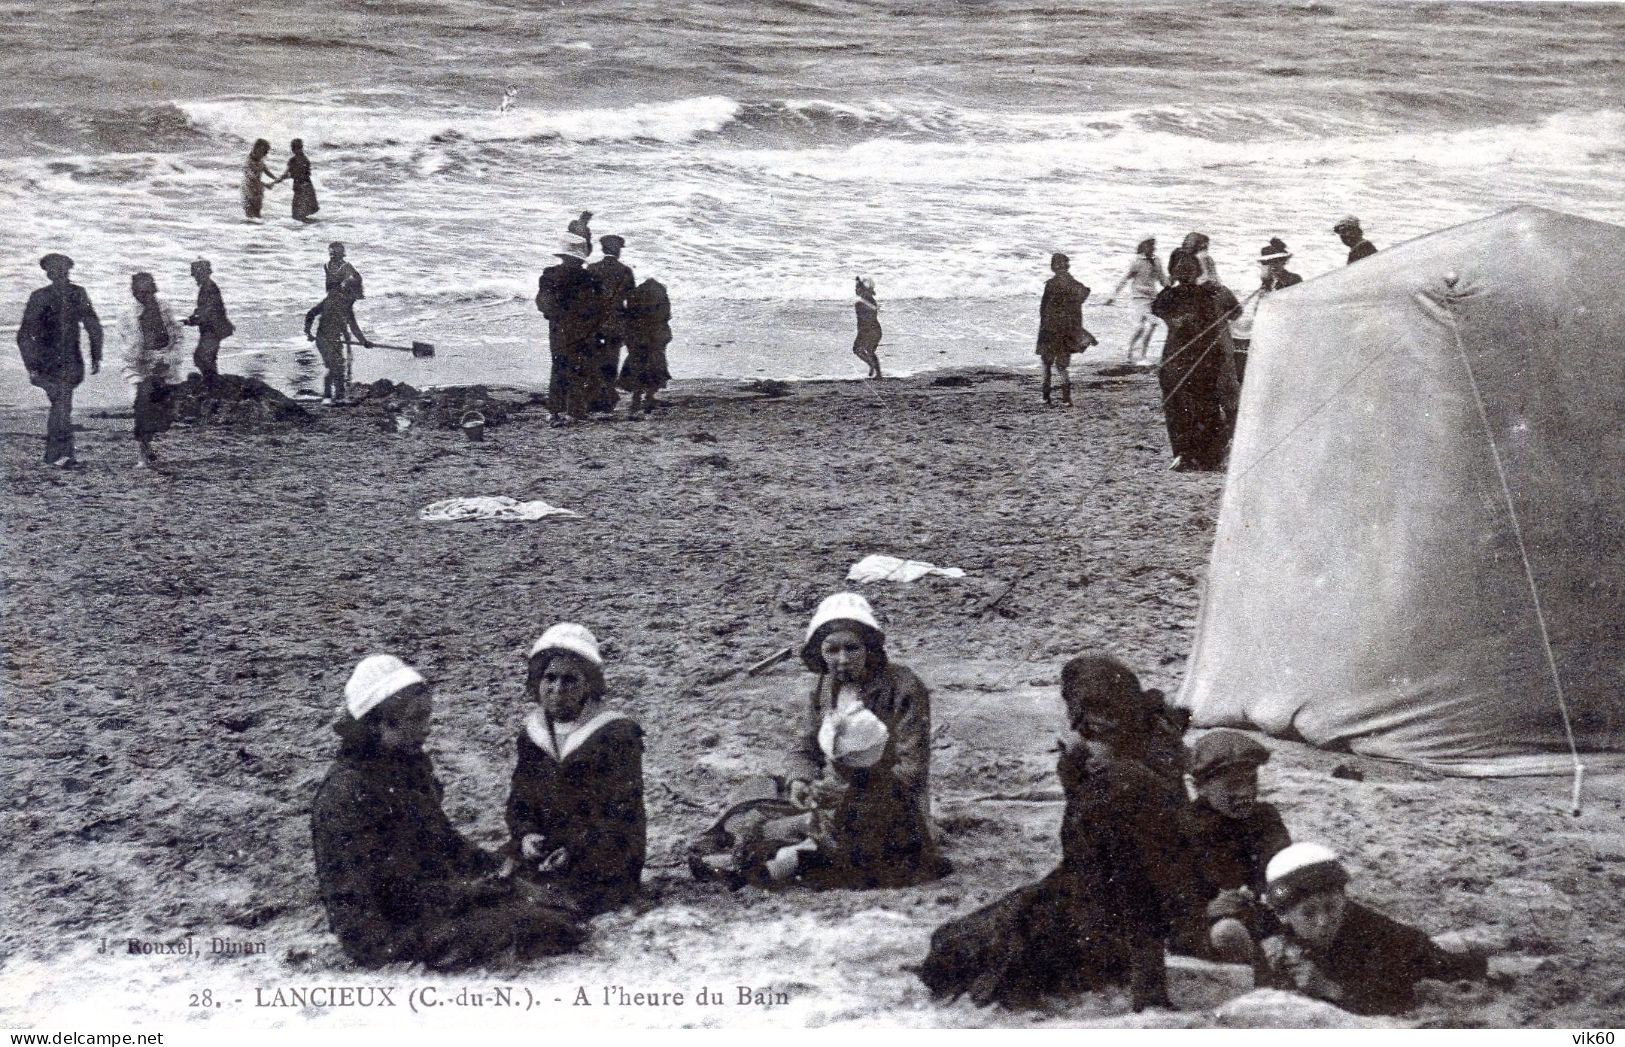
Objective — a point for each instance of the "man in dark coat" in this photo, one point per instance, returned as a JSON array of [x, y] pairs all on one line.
[[213, 326], [1060, 325], [616, 280], [1348, 231], [571, 299], [48, 339]]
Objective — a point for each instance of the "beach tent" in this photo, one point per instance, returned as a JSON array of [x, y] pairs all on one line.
[[1421, 546]]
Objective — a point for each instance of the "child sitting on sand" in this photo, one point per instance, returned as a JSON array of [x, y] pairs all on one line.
[[400, 884], [1100, 918], [1230, 836], [1338, 950], [575, 808], [863, 760]]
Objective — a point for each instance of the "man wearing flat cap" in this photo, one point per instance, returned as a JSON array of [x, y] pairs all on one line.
[[616, 281], [48, 340], [1348, 231]]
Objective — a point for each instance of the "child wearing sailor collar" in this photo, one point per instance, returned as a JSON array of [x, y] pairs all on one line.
[[575, 807]]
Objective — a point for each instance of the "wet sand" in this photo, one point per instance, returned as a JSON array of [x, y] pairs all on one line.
[[175, 644]]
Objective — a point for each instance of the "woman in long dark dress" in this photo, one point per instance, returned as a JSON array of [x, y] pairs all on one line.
[[1198, 374], [304, 190], [256, 178]]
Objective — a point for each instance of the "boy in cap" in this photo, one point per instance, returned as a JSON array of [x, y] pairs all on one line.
[[615, 282], [1348, 231], [48, 339], [1231, 836], [1337, 950]]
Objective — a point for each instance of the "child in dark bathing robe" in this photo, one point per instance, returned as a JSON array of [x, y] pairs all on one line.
[[1231, 836], [399, 883], [575, 808], [1100, 918], [1337, 950]]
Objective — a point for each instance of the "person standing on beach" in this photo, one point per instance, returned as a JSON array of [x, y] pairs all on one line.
[[152, 342], [1060, 325], [569, 296], [304, 190], [866, 346], [616, 281], [648, 332], [48, 339], [337, 270], [1198, 376], [1272, 259], [256, 178], [1348, 230], [213, 326], [1145, 280], [336, 314]]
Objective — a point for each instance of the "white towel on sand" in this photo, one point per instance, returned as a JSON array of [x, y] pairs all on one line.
[[877, 568], [489, 508]]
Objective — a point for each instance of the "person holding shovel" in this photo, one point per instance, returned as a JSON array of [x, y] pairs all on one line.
[[334, 317]]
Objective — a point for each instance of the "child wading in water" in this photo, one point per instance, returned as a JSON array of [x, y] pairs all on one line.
[[1335, 949], [1231, 836], [399, 882], [575, 809]]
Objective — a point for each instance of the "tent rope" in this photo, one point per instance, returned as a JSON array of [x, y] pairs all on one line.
[[1528, 569]]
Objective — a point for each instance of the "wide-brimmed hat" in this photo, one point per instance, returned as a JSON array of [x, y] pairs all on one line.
[[377, 678], [570, 247], [1299, 871], [570, 637], [1274, 251]]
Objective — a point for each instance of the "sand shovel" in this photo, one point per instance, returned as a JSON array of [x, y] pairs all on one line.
[[417, 349]]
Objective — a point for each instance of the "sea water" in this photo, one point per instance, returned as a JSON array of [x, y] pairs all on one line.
[[757, 156]]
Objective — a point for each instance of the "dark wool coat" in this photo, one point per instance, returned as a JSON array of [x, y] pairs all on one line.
[[48, 337], [1198, 373], [1363, 249], [587, 800], [1225, 854], [1060, 317], [571, 299], [1100, 918], [1371, 966], [881, 824], [615, 282], [388, 861]]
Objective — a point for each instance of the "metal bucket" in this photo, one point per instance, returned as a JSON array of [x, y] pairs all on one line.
[[474, 425]]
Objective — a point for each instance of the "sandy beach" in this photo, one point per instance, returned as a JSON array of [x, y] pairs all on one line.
[[175, 645]]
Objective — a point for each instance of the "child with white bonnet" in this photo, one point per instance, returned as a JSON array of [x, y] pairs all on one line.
[[399, 882], [575, 808]]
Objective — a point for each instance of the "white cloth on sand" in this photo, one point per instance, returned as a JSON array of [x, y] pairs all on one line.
[[877, 568], [489, 508]]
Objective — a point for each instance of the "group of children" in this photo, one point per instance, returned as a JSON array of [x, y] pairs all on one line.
[[1151, 859]]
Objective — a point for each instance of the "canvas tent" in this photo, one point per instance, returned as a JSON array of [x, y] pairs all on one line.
[[1414, 430]]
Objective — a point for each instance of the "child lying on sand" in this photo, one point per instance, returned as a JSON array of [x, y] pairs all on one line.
[[1338, 950]]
